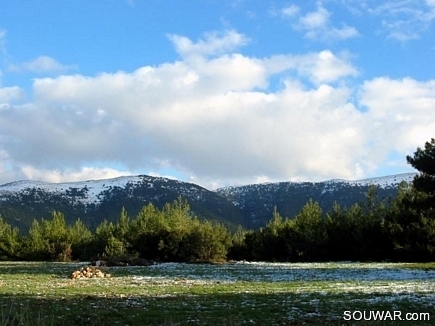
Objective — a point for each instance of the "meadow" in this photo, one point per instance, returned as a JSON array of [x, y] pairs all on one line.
[[237, 293]]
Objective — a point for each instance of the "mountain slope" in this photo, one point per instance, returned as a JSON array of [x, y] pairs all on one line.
[[257, 201], [250, 205], [93, 201]]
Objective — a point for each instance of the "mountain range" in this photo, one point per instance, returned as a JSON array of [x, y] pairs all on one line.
[[250, 206]]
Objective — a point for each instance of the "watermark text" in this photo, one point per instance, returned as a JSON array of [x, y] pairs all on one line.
[[386, 315]]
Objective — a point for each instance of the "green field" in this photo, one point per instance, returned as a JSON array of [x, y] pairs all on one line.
[[226, 294]]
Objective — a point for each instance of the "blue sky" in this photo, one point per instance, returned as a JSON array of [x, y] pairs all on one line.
[[214, 92]]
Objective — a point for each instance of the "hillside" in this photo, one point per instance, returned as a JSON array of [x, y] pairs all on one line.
[[94, 201], [250, 205], [257, 201]]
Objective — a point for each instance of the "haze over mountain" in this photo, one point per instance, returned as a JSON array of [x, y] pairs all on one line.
[[250, 206]]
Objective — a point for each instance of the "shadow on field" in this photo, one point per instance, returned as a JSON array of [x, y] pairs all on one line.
[[207, 309], [38, 268]]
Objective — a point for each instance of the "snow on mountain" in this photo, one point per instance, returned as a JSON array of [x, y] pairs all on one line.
[[390, 181], [92, 189], [89, 191], [250, 205], [383, 182], [257, 201]]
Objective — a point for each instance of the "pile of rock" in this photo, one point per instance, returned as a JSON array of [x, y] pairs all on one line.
[[88, 272]]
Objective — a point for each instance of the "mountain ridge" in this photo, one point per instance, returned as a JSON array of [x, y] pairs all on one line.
[[247, 205], [383, 180], [257, 201]]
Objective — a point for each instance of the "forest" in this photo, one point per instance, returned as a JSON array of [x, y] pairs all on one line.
[[397, 229]]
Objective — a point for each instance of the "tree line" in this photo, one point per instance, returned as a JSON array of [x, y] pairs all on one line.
[[170, 234], [397, 229]]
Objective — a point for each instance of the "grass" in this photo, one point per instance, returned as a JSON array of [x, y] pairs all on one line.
[[225, 294]]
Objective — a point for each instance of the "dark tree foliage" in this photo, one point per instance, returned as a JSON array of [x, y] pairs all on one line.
[[424, 161], [411, 219], [9, 241]]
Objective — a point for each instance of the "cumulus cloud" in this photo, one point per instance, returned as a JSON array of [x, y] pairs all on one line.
[[10, 94], [402, 112], [41, 64], [213, 43], [316, 24], [215, 119]]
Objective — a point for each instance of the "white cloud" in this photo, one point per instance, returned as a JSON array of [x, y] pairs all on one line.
[[215, 120], [405, 19], [316, 19], [319, 67], [10, 94], [326, 67], [82, 174], [402, 112], [290, 11], [316, 24], [213, 43], [41, 64]]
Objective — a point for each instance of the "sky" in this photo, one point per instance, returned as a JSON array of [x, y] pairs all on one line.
[[214, 92]]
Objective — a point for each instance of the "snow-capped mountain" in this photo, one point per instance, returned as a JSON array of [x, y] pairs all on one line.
[[94, 191], [257, 201], [96, 200], [250, 205]]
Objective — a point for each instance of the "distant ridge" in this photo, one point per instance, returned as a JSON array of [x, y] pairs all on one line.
[[257, 201], [102, 184], [385, 181], [248, 205], [96, 200], [388, 180], [92, 189]]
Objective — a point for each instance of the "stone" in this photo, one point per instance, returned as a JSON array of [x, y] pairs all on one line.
[[88, 272]]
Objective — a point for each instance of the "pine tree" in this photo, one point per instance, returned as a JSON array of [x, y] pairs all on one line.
[[423, 160], [9, 241], [412, 224], [35, 244], [58, 238], [81, 238], [310, 229]]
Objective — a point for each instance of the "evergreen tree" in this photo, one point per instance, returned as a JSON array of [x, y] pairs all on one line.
[[311, 233], [35, 248], [115, 248], [423, 160], [274, 243], [81, 238], [119, 242], [50, 239], [375, 244], [340, 234], [9, 241], [100, 241], [238, 249], [58, 239], [411, 230], [122, 227], [148, 222], [415, 220], [206, 242]]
